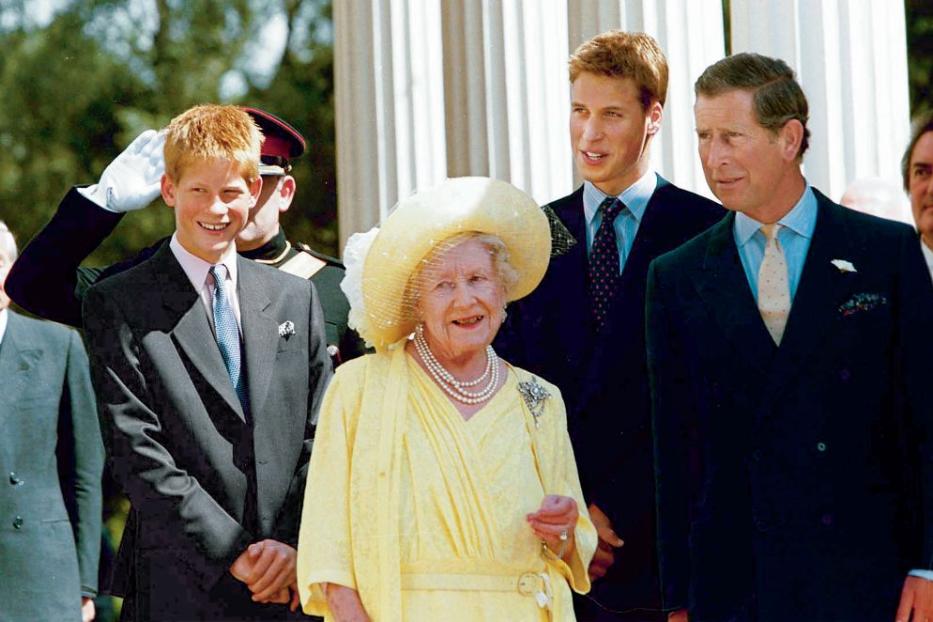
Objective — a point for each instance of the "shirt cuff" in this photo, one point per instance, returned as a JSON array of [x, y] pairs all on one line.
[[923, 574], [96, 194]]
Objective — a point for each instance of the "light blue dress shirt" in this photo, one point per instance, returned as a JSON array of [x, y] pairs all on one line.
[[635, 198], [794, 235]]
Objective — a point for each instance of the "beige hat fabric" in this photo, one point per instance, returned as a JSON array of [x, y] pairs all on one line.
[[423, 221]]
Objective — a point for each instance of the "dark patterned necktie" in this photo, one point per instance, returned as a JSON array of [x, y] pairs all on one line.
[[228, 334], [604, 261]]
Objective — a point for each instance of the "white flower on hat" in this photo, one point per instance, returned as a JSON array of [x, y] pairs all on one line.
[[354, 256]]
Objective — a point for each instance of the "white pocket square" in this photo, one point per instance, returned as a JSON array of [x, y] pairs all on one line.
[[286, 329], [843, 265]]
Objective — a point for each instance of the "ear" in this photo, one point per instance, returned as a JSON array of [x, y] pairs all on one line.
[[791, 136], [287, 189], [654, 114], [255, 187], [168, 190]]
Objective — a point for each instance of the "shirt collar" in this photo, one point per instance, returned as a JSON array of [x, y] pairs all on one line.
[[196, 269], [4, 316], [635, 197], [801, 219], [928, 255]]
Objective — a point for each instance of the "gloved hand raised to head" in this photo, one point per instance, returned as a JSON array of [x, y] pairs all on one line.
[[133, 180]]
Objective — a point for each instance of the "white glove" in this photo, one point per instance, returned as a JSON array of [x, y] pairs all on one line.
[[133, 180]]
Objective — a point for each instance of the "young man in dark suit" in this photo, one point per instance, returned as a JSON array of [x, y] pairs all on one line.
[[51, 458], [788, 350], [583, 328], [209, 370], [48, 279]]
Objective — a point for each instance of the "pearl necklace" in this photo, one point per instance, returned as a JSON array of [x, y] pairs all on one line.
[[453, 387]]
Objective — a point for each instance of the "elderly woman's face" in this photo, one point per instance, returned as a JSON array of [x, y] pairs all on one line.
[[461, 301]]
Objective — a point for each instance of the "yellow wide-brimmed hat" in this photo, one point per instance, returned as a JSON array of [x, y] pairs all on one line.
[[421, 222]]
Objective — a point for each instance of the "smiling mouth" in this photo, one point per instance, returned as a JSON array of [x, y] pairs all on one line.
[[593, 156], [469, 321], [214, 227]]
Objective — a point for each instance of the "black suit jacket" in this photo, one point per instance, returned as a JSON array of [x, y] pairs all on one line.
[[793, 483], [51, 459], [203, 481], [603, 377]]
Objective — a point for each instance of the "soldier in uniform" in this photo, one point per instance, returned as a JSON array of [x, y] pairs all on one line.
[[48, 280]]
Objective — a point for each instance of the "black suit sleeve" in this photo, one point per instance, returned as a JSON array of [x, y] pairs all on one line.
[[320, 371], [80, 455], [136, 446], [915, 347], [670, 408], [46, 279]]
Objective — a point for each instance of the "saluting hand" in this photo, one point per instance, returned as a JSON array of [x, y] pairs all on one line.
[[133, 180]]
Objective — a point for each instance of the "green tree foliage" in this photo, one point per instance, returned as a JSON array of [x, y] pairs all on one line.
[[74, 91], [920, 54]]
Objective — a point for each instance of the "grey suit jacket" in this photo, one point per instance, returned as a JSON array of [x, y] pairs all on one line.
[[51, 460], [204, 480]]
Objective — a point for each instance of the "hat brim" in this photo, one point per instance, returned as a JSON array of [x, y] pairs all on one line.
[[424, 220]]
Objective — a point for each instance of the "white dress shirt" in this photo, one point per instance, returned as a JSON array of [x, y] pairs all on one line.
[[928, 255], [3, 320], [635, 198], [198, 272]]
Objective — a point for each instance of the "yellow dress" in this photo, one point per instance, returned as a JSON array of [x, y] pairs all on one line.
[[457, 493]]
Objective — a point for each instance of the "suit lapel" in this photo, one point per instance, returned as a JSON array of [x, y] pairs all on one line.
[[821, 290], [569, 278], [722, 284], [191, 329], [260, 333], [17, 358]]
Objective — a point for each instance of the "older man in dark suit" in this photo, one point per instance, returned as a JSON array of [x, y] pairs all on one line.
[[583, 328], [51, 458], [787, 347], [917, 169], [210, 369]]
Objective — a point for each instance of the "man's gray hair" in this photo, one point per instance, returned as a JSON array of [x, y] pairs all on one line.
[[777, 96], [7, 242], [921, 125]]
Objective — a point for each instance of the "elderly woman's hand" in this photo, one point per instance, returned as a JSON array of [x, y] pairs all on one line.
[[554, 522]]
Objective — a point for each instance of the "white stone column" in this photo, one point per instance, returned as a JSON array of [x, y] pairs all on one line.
[[851, 59], [506, 92], [389, 105]]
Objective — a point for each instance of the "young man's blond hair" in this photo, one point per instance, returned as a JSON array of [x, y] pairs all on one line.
[[619, 54], [209, 132]]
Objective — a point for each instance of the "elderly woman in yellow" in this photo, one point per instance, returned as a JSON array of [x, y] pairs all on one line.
[[442, 484]]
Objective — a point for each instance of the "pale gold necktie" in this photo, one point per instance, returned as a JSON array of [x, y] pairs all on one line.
[[773, 290]]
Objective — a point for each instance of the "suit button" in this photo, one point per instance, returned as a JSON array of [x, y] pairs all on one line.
[[761, 525], [821, 447], [18, 522], [756, 456], [827, 519], [844, 375], [14, 480]]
